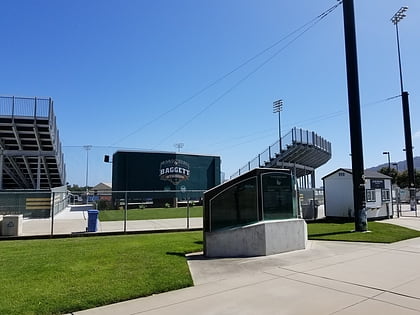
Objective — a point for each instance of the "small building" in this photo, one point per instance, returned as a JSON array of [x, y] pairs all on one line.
[[103, 191], [338, 194]]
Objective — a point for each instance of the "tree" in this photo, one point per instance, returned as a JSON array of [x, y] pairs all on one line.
[[75, 188], [402, 179], [391, 173]]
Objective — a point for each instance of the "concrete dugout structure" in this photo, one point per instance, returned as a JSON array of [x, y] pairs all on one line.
[[252, 215]]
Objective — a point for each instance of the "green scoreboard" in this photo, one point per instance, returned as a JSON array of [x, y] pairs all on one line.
[[164, 171]]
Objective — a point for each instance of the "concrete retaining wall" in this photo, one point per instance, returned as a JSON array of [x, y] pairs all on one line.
[[258, 239]]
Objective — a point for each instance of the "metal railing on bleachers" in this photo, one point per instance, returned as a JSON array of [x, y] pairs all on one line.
[[294, 137]]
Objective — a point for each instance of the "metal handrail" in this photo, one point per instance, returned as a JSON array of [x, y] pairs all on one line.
[[294, 136], [35, 107]]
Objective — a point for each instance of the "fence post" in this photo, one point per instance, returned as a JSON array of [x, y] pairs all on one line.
[[52, 213], [35, 103], [1, 168], [50, 108], [188, 212], [125, 212], [13, 106]]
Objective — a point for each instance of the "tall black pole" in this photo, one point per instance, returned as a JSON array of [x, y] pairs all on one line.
[[389, 165], [397, 17], [360, 220], [409, 151], [399, 57]]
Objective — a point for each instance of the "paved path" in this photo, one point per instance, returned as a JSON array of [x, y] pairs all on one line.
[[326, 278], [74, 220]]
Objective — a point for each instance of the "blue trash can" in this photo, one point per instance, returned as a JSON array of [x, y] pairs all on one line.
[[92, 220]]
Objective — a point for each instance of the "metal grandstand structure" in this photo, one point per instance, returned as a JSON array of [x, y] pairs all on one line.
[[30, 149], [301, 151]]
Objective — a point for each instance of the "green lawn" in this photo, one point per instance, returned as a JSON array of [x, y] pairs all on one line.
[[378, 232], [65, 275], [150, 213]]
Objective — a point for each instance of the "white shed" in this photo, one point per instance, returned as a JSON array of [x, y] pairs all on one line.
[[338, 194]]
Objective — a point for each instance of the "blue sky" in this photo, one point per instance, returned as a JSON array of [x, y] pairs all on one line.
[[120, 73]]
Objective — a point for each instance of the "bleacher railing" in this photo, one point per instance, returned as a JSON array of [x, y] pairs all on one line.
[[293, 137], [36, 108]]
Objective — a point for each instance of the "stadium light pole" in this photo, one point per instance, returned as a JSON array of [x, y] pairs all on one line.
[[277, 108], [179, 146], [359, 198], [389, 160], [396, 18], [87, 148]]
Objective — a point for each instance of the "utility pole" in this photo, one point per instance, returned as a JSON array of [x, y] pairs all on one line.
[[359, 200]]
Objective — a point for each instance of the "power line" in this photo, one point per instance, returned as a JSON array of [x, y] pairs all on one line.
[[313, 120], [104, 147], [309, 121], [304, 27], [302, 30]]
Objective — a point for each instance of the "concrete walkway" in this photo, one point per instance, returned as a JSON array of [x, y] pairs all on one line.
[[74, 220], [326, 278]]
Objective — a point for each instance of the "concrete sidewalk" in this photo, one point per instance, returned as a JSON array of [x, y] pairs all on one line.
[[74, 220], [326, 278]]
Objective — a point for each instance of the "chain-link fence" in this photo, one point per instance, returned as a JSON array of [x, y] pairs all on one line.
[[58, 212]]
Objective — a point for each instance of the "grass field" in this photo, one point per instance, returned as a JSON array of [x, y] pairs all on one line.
[[65, 275], [150, 213], [378, 232]]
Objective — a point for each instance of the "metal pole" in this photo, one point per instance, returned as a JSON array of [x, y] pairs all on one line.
[[188, 213], [279, 132], [398, 16], [360, 218], [125, 212], [399, 57], [87, 167], [38, 173], [52, 213], [277, 108], [409, 151], [1, 168], [389, 161], [35, 103]]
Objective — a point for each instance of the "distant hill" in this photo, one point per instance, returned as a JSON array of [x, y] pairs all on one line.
[[402, 165]]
